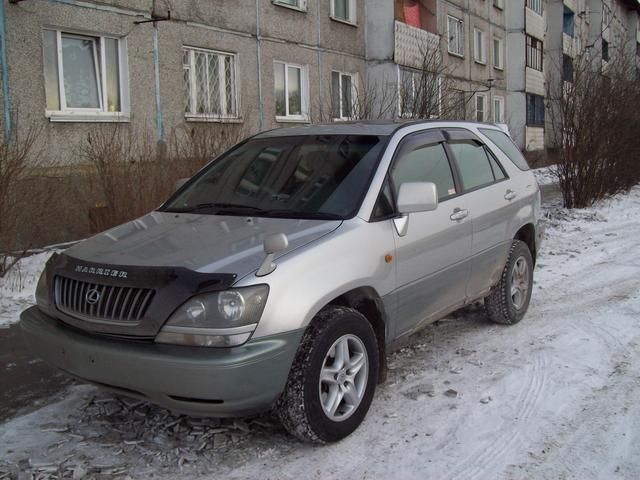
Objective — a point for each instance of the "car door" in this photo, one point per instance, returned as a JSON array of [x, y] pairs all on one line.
[[487, 187], [432, 248]]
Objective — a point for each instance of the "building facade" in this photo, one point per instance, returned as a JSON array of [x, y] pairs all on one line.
[[469, 37], [163, 65], [167, 64]]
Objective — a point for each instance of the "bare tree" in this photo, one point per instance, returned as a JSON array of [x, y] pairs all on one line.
[[18, 157], [596, 126]]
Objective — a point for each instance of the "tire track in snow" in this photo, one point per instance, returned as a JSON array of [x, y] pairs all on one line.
[[486, 459]]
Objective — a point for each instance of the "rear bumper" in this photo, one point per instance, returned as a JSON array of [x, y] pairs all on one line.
[[193, 380]]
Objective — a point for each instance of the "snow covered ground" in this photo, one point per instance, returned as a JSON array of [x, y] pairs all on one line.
[[18, 287], [554, 396]]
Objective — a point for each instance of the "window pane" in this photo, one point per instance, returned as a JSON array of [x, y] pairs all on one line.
[[202, 100], [507, 146], [278, 79], [473, 164], [335, 94], [341, 9], [50, 57], [187, 90], [346, 96], [425, 164], [112, 68], [80, 76], [497, 171], [294, 93], [214, 85], [230, 85]]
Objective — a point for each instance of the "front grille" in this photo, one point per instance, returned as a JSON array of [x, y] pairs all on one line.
[[101, 303]]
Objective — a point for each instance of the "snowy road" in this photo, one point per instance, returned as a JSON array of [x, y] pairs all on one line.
[[552, 397]]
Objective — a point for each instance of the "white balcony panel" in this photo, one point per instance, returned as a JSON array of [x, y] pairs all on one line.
[[412, 45]]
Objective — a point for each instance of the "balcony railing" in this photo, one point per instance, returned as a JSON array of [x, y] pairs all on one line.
[[414, 45]]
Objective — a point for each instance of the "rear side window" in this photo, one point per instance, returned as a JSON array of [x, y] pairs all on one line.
[[473, 163], [425, 164], [507, 146], [498, 173]]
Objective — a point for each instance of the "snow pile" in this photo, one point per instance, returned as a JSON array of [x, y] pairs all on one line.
[[554, 396], [18, 287]]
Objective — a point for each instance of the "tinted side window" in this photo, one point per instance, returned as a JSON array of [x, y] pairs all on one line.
[[384, 204], [507, 146], [473, 164], [425, 164], [498, 173]]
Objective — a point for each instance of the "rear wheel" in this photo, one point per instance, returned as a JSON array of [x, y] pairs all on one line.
[[333, 378], [508, 301]]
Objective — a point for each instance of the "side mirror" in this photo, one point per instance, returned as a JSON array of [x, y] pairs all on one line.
[[180, 182], [273, 244], [417, 197]]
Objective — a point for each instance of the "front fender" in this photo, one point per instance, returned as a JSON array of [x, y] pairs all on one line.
[[306, 280]]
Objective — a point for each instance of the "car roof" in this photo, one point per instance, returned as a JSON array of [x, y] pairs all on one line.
[[368, 127]]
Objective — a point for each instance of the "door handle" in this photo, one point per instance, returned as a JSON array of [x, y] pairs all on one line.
[[458, 214], [510, 195]]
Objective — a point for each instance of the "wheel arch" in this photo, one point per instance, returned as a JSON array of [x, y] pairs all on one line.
[[368, 302], [527, 234]]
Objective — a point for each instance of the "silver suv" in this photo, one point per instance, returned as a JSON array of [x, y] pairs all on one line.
[[281, 274]]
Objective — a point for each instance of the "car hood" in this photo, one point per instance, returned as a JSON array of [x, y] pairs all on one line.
[[203, 243]]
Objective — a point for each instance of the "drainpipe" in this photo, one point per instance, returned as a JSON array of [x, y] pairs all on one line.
[[319, 59], [156, 65], [259, 61], [5, 74]]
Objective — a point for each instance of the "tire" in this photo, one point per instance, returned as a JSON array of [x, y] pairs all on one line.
[[300, 407], [503, 304]]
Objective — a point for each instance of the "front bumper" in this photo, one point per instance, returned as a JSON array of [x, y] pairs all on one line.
[[194, 380]]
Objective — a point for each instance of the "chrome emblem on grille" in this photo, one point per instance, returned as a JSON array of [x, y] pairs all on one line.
[[92, 296]]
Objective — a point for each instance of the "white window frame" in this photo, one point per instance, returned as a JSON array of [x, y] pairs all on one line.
[[535, 6], [498, 102], [67, 114], [351, 7], [498, 63], [479, 47], [484, 110], [213, 117], [414, 73], [301, 5], [354, 92], [304, 93], [459, 30]]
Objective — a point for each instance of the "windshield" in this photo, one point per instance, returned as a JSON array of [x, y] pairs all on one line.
[[296, 177]]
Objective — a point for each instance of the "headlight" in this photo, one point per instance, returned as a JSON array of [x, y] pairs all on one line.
[[220, 319]]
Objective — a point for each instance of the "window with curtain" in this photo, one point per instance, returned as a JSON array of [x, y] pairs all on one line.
[[82, 73]]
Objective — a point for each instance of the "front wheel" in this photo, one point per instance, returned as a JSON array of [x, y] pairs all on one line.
[[508, 301], [333, 377]]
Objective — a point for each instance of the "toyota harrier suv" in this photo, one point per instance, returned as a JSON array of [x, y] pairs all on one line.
[[281, 274]]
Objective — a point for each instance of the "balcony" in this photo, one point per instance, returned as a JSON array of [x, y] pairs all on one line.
[[413, 45], [571, 46]]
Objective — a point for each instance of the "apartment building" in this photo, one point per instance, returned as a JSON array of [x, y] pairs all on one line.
[[166, 64], [526, 26], [470, 38], [595, 30], [614, 29]]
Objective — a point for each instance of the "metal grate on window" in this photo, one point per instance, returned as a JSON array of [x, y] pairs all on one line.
[[210, 83]]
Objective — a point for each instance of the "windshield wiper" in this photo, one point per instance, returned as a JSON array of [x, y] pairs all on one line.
[[217, 207]]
